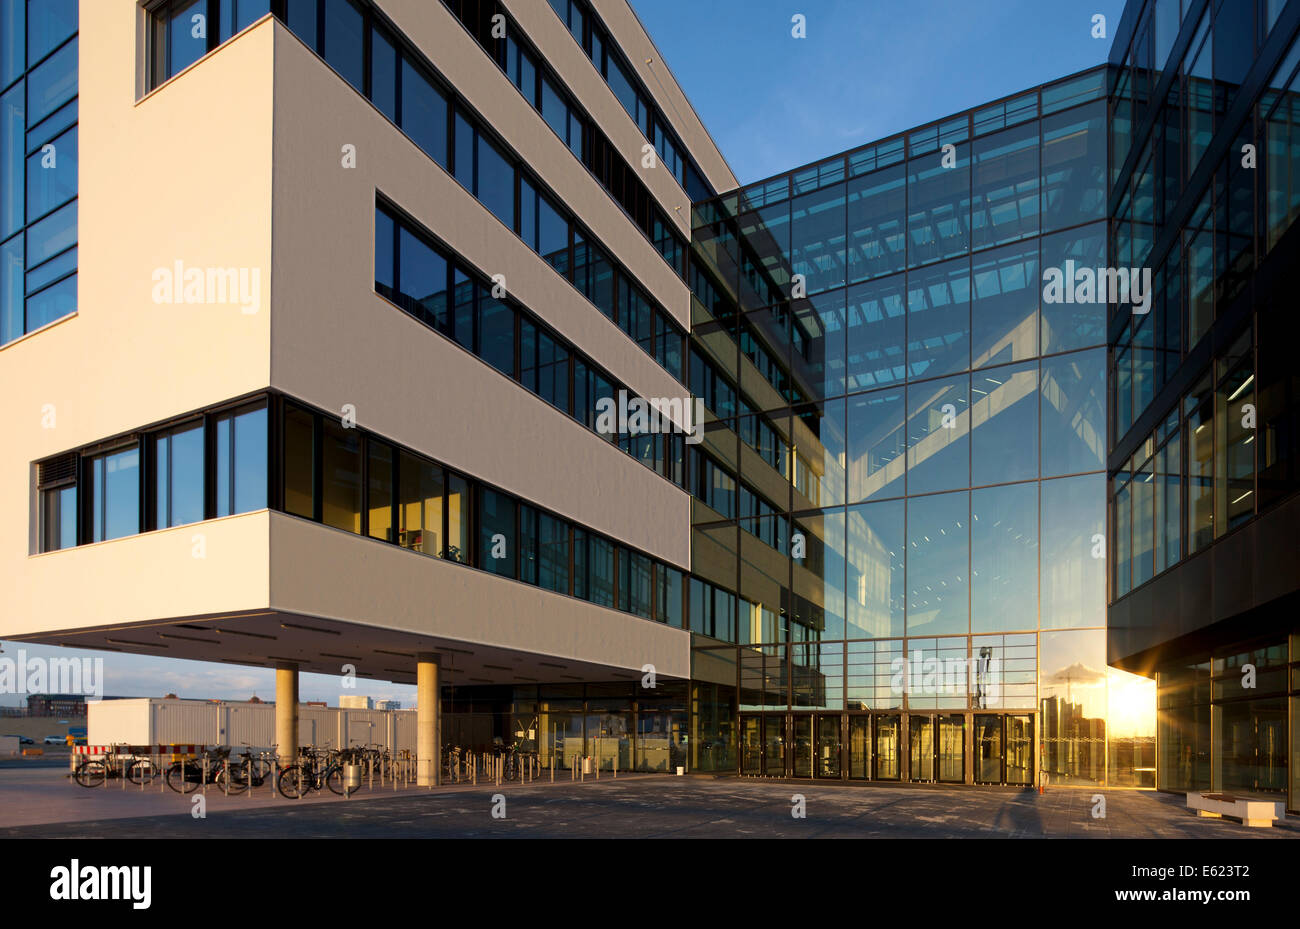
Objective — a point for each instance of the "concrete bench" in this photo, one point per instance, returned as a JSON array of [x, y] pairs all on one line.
[[1257, 813]]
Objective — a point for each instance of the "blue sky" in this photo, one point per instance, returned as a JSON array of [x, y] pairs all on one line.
[[867, 69]]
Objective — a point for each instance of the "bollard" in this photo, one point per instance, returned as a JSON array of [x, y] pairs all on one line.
[[275, 776], [552, 760], [616, 765]]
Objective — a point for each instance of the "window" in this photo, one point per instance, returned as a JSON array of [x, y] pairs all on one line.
[[299, 462], [424, 113], [422, 280], [593, 565], [52, 84], [938, 319], [938, 435], [420, 505], [345, 41], [458, 516], [241, 475], [876, 445], [379, 491], [633, 583], [58, 518], [938, 553], [1004, 424], [179, 496], [496, 343], [497, 533], [52, 174], [340, 477], [1004, 558], [114, 499], [383, 74], [13, 59], [495, 182], [180, 36]]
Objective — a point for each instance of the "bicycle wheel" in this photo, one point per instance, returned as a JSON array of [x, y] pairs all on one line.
[[91, 773], [232, 780], [288, 783], [334, 780], [182, 778], [141, 771]]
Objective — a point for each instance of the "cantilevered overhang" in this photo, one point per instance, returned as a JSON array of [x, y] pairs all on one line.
[[266, 587]]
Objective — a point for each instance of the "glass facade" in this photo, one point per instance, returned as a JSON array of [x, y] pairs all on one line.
[[1202, 444], [902, 495], [38, 164]]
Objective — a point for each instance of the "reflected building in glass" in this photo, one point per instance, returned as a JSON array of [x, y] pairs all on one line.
[[900, 500]]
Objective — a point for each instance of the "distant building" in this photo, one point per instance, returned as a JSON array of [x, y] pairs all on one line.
[[388, 704], [356, 702], [56, 705]]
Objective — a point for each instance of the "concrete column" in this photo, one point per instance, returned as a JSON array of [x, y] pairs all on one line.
[[286, 712], [428, 722]]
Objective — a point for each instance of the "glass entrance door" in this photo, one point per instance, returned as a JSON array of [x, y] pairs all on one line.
[[751, 745], [1020, 750], [774, 745], [952, 749], [885, 753], [859, 747], [827, 763], [988, 749], [801, 745], [920, 747]]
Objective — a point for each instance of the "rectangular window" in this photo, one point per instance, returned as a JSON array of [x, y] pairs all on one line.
[[593, 565], [345, 41], [495, 187], [299, 462], [498, 537], [633, 583], [383, 74], [379, 490], [241, 461], [179, 491], [58, 518], [52, 175], [179, 37], [422, 280], [424, 113], [114, 504], [13, 61], [496, 343], [420, 505], [12, 152], [341, 477], [458, 517], [668, 595]]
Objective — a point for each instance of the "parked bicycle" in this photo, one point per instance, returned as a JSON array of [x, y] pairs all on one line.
[[317, 770], [188, 775], [94, 772]]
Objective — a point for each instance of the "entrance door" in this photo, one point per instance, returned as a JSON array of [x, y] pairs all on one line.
[[859, 747], [988, 749], [1020, 750], [827, 763], [801, 745], [920, 748], [885, 752], [751, 745], [952, 749], [774, 745]]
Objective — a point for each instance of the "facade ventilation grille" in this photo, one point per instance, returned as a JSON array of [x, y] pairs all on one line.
[[56, 471]]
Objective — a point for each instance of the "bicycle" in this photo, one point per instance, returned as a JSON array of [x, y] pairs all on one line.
[[186, 776], [312, 774], [94, 772], [237, 776]]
